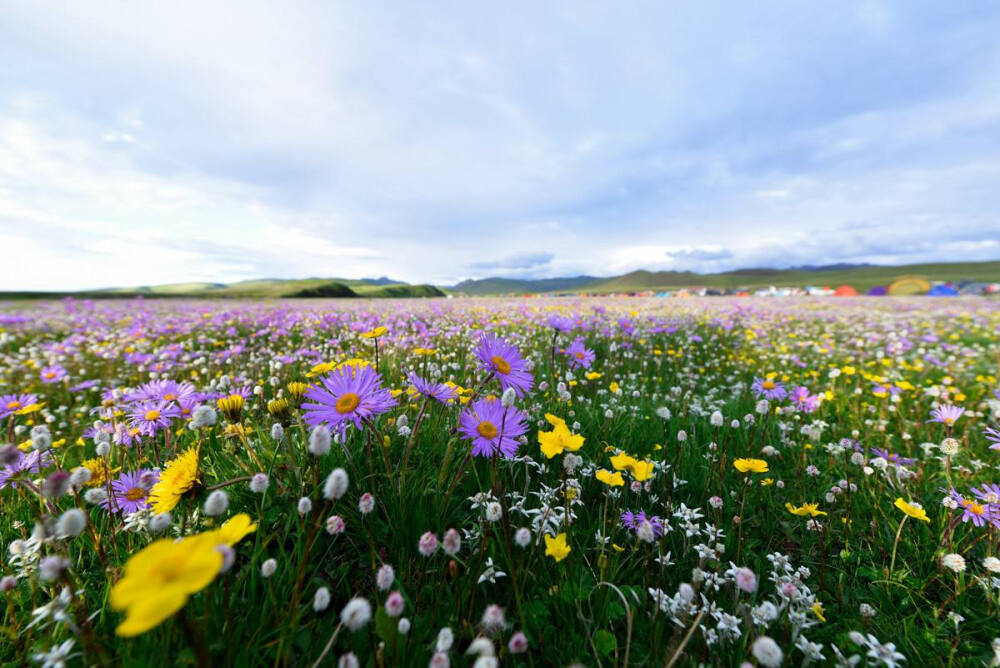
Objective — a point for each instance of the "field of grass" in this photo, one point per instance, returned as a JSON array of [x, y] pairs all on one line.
[[454, 482]]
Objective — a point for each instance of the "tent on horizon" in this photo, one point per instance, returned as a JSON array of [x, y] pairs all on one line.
[[942, 291], [909, 286], [878, 291], [845, 291]]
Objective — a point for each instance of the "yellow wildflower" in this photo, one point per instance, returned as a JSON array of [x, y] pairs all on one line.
[[160, 578], [750, 465], [805, 509], [556, 547], [179, 475], [610, 479], [911, 510]]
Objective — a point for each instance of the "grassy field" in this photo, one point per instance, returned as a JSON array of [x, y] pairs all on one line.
[[609, 482]]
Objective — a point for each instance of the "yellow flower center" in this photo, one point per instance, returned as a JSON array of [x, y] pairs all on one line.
[[347, 402], [152, 415], [14, 405], [974, 508], [487, 429], [500, 364], [135, 494], [768, 384], [170, 397], [579, 356], [50, 375]]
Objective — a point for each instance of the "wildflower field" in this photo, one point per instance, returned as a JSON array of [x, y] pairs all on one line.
[[602, 482]]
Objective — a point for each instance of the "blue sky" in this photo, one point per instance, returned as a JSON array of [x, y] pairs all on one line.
[[156, 142]]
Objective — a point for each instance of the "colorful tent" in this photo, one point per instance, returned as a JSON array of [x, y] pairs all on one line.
[[942, 291], [845, 291], [909, 286], [878, 291]]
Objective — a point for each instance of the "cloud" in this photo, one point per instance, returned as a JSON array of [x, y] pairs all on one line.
[[515, 263], [548, 140]]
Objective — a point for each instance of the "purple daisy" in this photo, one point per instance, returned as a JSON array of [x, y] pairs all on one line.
[[805, 402], [437, 391], [130, 492], [992, 435], [53, 374], [579, 355], [151, 416], [769, 389], [12, 403], [946, 414], [893, 458], [492, 428], [347, 395], [972, 511], [633, 521], [26, 466], [504, 361]]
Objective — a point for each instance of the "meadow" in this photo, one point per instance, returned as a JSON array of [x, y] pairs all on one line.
[[597, 482]]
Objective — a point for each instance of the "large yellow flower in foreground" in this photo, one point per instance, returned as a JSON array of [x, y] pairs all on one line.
[[180, 475], [160, 578], [911, 510], [556, 547]]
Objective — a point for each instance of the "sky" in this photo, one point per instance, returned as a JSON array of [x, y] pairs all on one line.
[[158, 142]]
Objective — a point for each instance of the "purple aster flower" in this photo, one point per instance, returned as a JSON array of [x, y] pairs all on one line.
[[85, 385], [437, 391], [53, 374], [26, 466], [150, 416], [805, 402], [992, 435], [127, 436], [504, 361], [972, 511], [578, 354], [946, 414], [893, 458], [769, 389], [12, 403], [990, 493], [130, 492], [492, 428], [347, 395], [633, 521]]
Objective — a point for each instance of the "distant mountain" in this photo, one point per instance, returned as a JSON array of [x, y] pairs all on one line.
[[384, 280], [861, 276], [265, 288], [497, 286]]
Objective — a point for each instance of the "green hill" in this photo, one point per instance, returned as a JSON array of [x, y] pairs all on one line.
[[862, 277]]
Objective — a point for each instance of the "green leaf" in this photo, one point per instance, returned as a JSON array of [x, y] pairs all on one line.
[[605, 642]]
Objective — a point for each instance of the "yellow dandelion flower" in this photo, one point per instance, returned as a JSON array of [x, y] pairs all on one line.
[[179, 475]]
